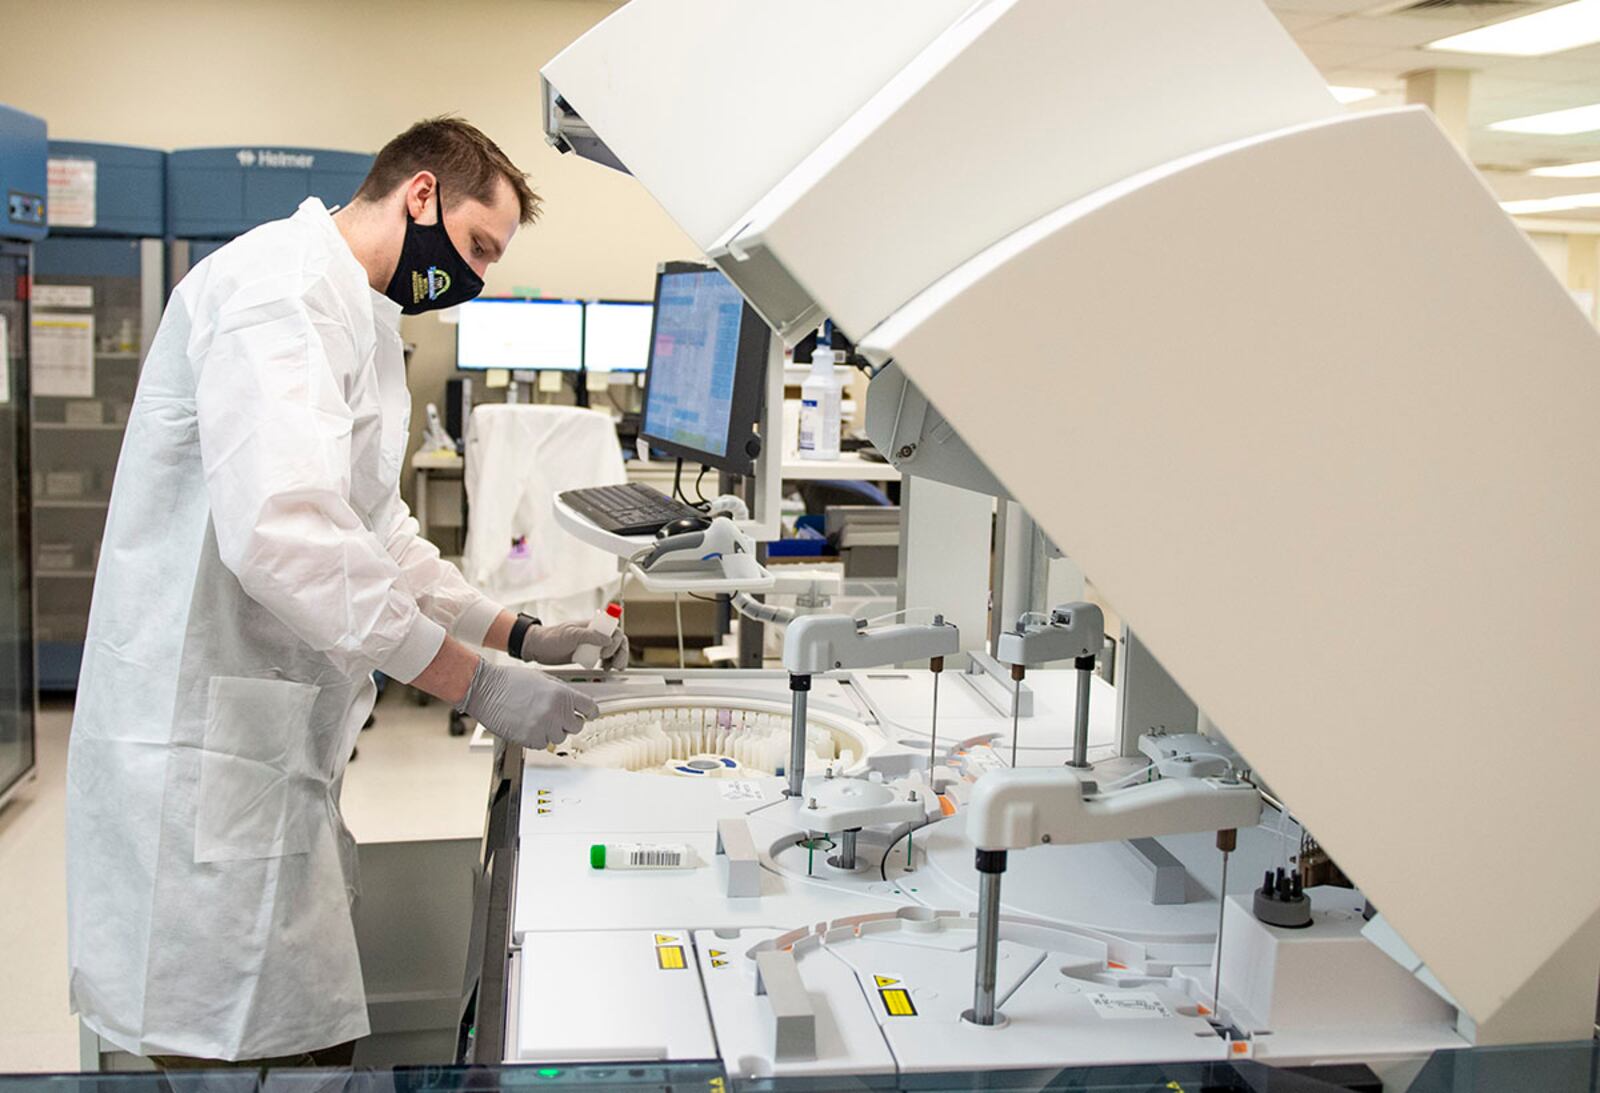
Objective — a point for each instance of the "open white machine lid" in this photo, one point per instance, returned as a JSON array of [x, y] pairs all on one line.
[[1291, 389]]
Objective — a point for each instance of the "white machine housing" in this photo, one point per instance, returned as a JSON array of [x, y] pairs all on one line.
[[1310, 338]]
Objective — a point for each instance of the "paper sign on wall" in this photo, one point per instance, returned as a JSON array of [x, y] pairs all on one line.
[[63, 295], [72, 186], [63, 354]]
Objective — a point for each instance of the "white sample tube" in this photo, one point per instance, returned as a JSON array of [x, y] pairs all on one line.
[[605, 621], [640, 856]]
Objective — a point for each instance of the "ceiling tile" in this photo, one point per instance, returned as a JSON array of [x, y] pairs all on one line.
[[1561, 68], [1329, 55], [1323, 7], [1396, 31], [1298, 22]]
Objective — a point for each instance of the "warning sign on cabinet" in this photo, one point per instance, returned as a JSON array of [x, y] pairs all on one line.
[[72, 187]]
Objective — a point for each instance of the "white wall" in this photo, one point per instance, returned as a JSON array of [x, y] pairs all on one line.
[[346, 74]]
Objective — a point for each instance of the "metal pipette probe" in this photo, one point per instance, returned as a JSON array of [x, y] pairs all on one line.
[[1227, 840], [1017, 672]]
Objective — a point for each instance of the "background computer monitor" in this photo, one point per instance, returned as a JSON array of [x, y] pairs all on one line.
[[616, 335], [522, 335], [708, 365]]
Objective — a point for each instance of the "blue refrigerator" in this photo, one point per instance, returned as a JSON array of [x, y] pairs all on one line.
[[215, 194], [102, 268]]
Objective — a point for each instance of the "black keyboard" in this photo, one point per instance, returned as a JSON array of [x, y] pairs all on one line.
[[630, 509]]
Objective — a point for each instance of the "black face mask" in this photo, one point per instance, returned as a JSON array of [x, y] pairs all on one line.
[[431, 273]]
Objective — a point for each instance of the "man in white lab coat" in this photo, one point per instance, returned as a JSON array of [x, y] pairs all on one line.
[[257, 566]]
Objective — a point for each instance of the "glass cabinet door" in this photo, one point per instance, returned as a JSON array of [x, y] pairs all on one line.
[[92, 290], [16, 610]]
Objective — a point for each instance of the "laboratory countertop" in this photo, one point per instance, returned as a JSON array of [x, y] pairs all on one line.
[[437, 461], [849, 466]]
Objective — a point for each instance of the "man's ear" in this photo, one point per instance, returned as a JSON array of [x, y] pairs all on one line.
[[420, 194]]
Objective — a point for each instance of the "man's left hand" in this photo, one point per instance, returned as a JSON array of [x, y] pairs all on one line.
[[558, 644]]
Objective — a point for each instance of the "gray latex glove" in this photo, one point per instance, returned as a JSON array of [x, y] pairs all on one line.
[[525, 706], [558, 644]]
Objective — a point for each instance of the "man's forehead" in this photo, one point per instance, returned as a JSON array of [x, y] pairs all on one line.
[[500, 216], [493, 223]]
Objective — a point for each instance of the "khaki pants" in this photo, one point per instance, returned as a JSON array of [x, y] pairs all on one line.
[[339, 1055]]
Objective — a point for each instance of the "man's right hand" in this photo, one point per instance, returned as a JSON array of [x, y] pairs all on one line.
[[525, 706]]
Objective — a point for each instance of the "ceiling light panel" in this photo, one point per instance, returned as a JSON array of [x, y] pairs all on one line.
[[1555, 123], [1563, 204], [1591, 169], [1550, 31], [1351, 94]]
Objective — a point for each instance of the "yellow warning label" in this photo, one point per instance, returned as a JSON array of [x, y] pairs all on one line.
[[669, 958], [544, 793], [716, 963], [885, 981], [545, 811], [897, 1002], [666, 939], [718, 952]]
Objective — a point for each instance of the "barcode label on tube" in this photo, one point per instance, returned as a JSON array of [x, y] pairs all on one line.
[[654, 858]]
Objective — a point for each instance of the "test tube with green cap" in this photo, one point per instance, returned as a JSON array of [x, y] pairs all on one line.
[[640, 856]]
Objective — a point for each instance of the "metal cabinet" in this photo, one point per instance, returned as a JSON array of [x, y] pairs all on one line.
[[139, 220], [22, 221], [214, 194], [98, 280]]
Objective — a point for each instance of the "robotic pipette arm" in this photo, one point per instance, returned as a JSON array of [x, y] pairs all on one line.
[[821, 643], [1074, 631], [1017, 809]]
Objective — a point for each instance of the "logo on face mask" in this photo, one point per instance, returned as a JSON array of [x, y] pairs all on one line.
[[430, 285]]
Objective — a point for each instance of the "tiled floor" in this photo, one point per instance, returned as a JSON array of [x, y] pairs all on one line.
[[411, 780], [36, 1032]]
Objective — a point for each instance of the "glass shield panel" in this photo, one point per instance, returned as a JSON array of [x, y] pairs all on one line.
[[16, 610]]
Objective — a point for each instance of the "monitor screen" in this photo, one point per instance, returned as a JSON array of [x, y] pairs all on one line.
[[523, 335], [708, 358], [616, 335]]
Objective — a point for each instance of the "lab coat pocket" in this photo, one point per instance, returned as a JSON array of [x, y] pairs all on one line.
[[253, 800]]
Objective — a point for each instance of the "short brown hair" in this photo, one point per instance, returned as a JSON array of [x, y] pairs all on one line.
[[465, 162]]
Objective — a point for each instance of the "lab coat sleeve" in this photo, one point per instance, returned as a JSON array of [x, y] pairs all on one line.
[[275, 442], [440, 590]]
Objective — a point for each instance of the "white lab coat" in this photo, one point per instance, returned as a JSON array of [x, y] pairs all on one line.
[[258, 564], [519, 458]]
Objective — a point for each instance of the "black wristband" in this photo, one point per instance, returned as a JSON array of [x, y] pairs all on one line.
[[519, 630]]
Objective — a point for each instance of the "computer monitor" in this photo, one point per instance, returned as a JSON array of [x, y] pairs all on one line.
[[522, 335], [708, 365], [616, 335]]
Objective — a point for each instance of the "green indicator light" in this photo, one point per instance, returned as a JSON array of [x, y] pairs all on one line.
[[549, 1072]]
